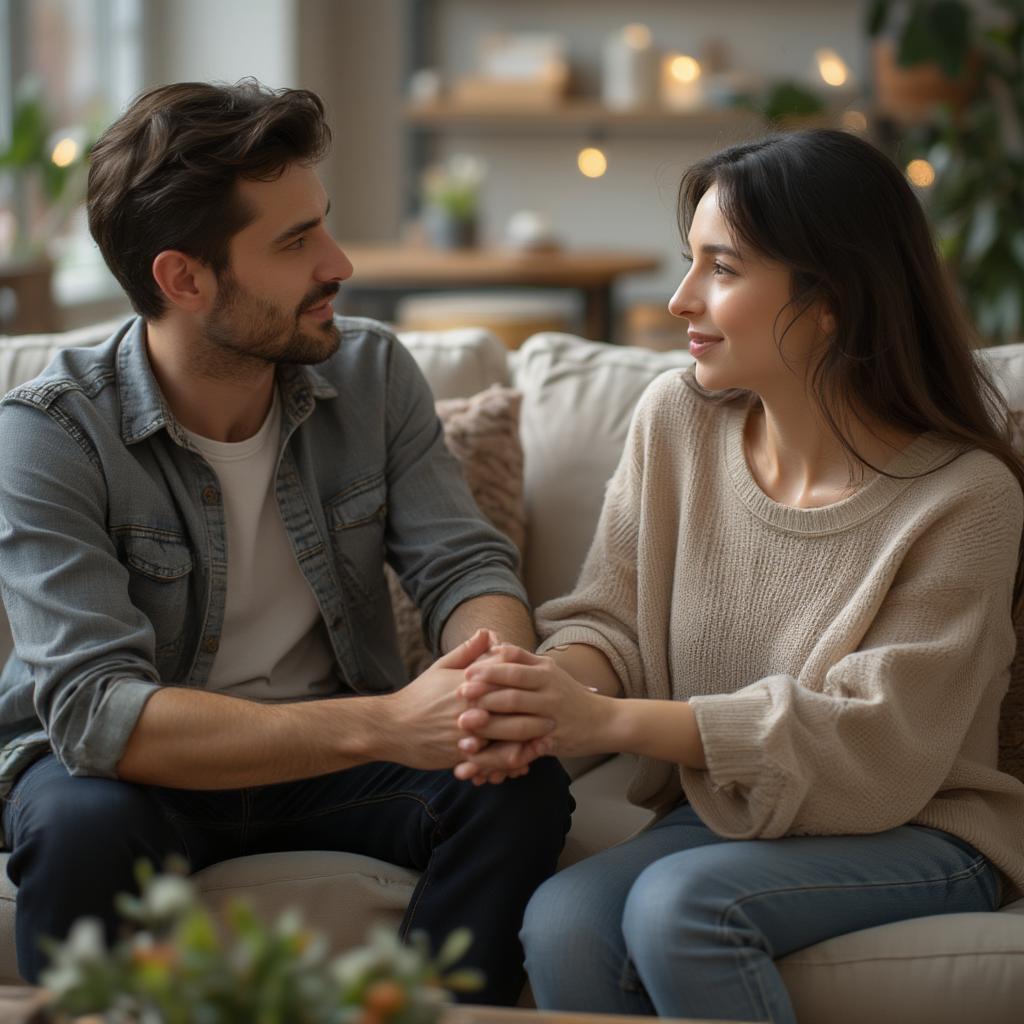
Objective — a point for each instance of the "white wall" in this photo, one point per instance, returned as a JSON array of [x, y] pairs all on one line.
[[222, 40]]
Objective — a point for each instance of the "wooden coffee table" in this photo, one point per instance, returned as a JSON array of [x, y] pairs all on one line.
[[24, 1005]]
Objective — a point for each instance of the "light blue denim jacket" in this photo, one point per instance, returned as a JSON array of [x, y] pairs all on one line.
[[113, 556]]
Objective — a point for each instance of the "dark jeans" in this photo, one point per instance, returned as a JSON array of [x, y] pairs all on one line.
[[481, 850]]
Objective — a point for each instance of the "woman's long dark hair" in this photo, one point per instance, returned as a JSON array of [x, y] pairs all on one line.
[[841, 216]]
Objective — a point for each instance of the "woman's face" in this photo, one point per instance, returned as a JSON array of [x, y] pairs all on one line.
[[735, 302]]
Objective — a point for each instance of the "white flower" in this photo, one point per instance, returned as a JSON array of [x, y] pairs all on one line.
[[168, 896], [85, 941]]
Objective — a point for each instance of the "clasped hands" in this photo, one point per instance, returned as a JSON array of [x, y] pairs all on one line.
[[522, 706]]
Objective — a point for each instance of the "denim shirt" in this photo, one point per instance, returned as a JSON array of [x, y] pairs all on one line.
[[113, 555]]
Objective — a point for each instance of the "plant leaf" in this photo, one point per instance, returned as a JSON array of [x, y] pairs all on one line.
[[982, 232], [949, 30], [877, 16], [454, 948]]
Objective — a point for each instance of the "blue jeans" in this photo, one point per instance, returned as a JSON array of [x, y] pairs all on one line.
[[481, 850], [682, 923]]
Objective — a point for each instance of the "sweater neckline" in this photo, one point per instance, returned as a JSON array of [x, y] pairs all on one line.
[[922, 454]]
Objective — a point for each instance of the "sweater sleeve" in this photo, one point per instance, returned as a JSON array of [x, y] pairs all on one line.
[[864, 748]]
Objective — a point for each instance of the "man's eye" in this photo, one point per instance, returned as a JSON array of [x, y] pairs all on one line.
[[299, 243]]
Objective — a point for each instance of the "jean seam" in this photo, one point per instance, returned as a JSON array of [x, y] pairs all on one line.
[[426, 875], [971, 870], [347, 805]]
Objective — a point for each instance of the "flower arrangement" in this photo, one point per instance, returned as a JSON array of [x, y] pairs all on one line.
[[183, 966]]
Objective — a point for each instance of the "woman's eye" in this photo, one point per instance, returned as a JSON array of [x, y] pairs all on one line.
[[721, 268]]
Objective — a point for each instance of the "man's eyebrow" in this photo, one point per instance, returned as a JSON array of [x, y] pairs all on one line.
[[299, 229]]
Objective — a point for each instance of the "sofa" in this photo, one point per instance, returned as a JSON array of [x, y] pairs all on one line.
[[577, 398]]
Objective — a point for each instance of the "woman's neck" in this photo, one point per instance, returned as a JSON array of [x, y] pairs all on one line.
[[798, 461]]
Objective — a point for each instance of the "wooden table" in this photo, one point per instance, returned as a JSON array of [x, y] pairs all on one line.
[[390, 269], [25, 1005]]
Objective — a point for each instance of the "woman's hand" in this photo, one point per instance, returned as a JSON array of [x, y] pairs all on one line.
[[511, 687]]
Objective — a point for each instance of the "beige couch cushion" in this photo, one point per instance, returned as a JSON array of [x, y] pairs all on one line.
[[578, 399]]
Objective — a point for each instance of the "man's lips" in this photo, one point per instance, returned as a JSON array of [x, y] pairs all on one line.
[[321, 311]]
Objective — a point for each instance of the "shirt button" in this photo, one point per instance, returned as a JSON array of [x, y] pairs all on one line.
[[210, 495], [211, 645]]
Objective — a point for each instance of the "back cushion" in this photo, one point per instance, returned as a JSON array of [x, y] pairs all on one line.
[[578, 398]]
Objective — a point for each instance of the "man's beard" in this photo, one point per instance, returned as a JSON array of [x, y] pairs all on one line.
[[245, 325]]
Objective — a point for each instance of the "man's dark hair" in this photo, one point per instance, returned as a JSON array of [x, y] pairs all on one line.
[[163, 175]]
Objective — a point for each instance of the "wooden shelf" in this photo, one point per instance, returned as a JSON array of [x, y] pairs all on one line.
[[578, 113]]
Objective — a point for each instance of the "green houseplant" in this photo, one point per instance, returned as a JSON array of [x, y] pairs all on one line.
[[42, 173], [975, 146], [180, 965]]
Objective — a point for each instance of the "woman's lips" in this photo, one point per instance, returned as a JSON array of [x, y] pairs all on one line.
[[700, 343]]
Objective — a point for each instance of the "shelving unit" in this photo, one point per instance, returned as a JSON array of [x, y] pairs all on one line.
[[584, 114]]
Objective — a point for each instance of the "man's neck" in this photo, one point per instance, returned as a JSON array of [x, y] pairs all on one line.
[[224, 399]]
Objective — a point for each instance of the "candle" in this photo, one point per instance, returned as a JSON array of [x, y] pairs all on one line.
[[630, 71], [681, 84]]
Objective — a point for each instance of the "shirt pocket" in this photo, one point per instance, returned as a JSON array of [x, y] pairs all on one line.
[[159, 568], [355, 521]]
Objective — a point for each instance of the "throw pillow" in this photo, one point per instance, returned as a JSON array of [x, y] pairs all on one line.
[[482, 432]]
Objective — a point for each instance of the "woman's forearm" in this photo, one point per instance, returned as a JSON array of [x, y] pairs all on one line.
[[663, 729], [589, 666]]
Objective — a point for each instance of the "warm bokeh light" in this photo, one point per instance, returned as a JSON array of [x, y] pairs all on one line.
[[65, 152], [831, 67], [855, 121], [637, 36], [684, 68], [921, 173], [592, 162]]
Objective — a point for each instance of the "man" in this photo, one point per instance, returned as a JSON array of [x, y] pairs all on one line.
[[193, 523]]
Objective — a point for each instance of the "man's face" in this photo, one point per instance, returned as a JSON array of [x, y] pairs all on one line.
[[274, 300]]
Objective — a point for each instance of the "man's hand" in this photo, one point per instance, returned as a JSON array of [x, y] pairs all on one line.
[[423, 728]]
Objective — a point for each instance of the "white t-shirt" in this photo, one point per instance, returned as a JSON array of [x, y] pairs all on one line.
[[274, 646]]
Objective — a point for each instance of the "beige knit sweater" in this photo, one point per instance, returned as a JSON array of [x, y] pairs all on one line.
[[845, 664]]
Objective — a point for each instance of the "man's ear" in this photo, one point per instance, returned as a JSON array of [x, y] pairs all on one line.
[[186, 282]]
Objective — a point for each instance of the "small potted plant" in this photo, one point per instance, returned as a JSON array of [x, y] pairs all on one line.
[[451, 201], [180, 965], [923, 56]]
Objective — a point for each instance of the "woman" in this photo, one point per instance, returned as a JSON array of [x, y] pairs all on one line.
[[801, 583]]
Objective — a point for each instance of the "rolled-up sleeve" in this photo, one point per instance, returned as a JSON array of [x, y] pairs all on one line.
[[90, 651], [444, 551]]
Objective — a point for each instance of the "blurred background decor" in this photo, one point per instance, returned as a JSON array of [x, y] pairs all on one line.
[[451, 201], [42, 182], [963, 144], [179, 964]]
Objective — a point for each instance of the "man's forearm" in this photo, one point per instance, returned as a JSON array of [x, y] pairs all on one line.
[[506, 616], [191, 739]]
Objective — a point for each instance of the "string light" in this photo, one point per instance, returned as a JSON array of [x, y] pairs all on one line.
[[65, 152], [592, 162], [831, 67], [921, 173]]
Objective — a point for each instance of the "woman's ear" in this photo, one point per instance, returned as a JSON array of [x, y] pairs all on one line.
[[186, 282], [826, 321]]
